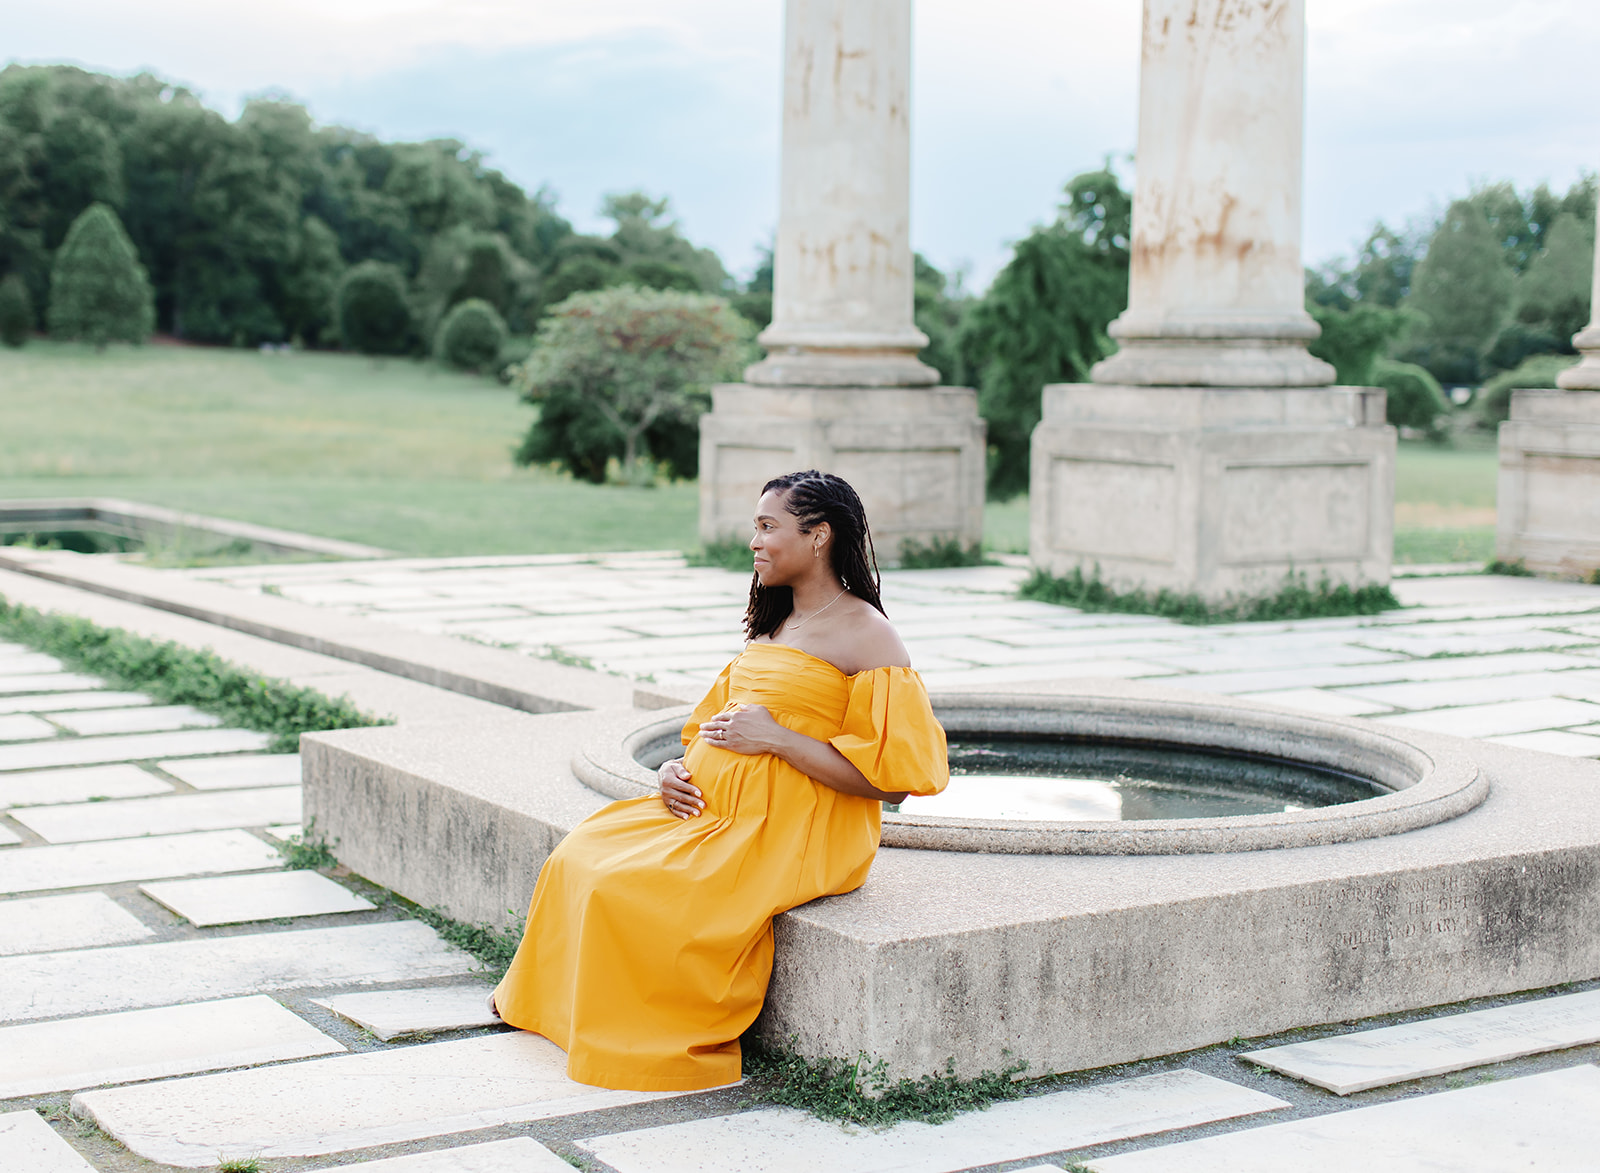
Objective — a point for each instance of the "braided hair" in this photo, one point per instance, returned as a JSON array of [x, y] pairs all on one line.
[[813, 498]]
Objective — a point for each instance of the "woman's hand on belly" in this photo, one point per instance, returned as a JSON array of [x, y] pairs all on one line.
[[749, 729], [680, 797]]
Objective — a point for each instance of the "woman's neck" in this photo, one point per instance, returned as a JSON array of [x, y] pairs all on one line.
[[814, 593]]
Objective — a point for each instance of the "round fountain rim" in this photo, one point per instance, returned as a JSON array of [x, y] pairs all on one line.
[[1430, 780]]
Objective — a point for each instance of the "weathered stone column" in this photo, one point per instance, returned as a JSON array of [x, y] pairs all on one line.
[[1549, 500], [841, 388], [1209, 454]]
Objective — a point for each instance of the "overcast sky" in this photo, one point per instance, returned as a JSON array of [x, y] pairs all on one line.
[[1409, 102]]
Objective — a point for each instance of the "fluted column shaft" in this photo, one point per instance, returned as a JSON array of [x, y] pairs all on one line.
[[1216, 291], [842, 294]]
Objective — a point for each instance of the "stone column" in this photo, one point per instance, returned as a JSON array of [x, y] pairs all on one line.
[[842, 268], [841, 388], [1210, 454], [1216, 292], [1549, 499]]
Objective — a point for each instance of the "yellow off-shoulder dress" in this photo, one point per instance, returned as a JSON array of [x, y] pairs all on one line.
[[649, 938]]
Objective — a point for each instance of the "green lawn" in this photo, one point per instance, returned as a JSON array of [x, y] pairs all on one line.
[[406, 456]]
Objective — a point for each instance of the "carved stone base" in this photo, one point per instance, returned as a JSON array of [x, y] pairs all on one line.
[[1219, 491], [1549, 499], [916, 456]]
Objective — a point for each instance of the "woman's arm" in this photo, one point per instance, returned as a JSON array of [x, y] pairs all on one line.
[[752, 730]]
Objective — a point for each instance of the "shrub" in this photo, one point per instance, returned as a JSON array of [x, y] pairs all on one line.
[[16, 311], [372, 311], [1415, 397], [99, 291], [624, 373], [1539, 370], [471, 336]]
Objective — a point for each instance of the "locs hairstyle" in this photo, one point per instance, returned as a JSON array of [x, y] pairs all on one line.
[[813, 498]]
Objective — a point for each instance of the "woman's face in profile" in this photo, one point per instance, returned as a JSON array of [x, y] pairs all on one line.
[[782, 552]]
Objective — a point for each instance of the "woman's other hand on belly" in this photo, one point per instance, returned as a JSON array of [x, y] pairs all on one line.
[[749, 729], [679, 795]]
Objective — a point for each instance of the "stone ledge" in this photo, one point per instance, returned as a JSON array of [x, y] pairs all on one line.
[[490, 674], [1066, 962]]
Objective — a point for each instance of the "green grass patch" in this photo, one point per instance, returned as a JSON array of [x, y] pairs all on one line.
[[494, 947], [1445, 544], [860, 1092], [728, 554], [1513, 569], [308, 850], [1464, 474], [1296, 599], [177, 675], [939, 554]]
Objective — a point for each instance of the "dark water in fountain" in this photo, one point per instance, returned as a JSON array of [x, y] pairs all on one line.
[[1060, 779]]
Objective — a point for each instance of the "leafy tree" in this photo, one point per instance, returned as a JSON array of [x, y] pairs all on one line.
[[1353, 338], [1539, 370], [1415, 398], [1462, 289], [616, 370], [754, 304], [99, 291], [1044, 318], [1384, 268], [16, 310], [311, 283], [471, 336], [372, 310], [1552, 295], [939, 304]]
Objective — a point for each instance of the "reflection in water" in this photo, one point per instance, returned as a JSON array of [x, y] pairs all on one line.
[[1063, 780]]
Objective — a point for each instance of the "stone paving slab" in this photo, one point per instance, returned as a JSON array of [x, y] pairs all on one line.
[[392, 1014], [8, 837], [129, 977], [117, 861], [1569, 744], [520, 1154], [28, 663], [80, 784], [1549, 1121], [150, 719], [29, 1145], [1395, 1054], [1499, 719], [1316, 700], [786, 1140], [1438, 694], [61, 702], [134, 747], [75, 1053], [348, 1102], [80, 822], [229, 900], [54, 682], [22, 727], [44, 924], [237, 772]]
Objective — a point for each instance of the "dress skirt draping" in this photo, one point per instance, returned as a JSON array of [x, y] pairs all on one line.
[[649, 938]]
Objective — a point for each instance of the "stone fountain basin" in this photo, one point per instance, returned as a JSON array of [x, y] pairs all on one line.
[[1426, 785], [1486, 882]]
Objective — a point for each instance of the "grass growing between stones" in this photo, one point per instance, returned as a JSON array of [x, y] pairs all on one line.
[[939, 554], [308, 851], [859, 1091], [494, 947], [177, 675], [1296, 599]]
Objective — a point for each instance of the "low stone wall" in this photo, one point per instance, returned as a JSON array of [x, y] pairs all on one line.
[[1064, 962]]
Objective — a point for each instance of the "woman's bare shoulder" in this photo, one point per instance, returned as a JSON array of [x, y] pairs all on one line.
[[874, 643]]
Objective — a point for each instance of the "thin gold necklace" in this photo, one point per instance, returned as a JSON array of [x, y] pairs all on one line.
[[794, 625]]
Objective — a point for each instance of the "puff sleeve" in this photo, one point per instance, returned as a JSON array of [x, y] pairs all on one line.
[[710, 705], [890, 734]]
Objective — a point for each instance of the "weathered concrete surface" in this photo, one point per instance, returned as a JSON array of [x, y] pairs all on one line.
[[459, 818], [1213, 490], [916, 456], [1071, 962], [1216, 293], [1064, 962], [842, 263], [1549, 498]]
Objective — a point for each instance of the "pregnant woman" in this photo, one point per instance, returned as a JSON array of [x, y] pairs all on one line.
[[649, 939]]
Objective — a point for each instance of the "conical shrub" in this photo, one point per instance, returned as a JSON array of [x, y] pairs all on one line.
[[99, 292]]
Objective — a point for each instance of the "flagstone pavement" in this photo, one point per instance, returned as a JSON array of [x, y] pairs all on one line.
[[170, 995]]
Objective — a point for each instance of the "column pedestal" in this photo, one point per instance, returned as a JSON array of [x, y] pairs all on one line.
[[1219, 491], [915, 454], [1549, 497]]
